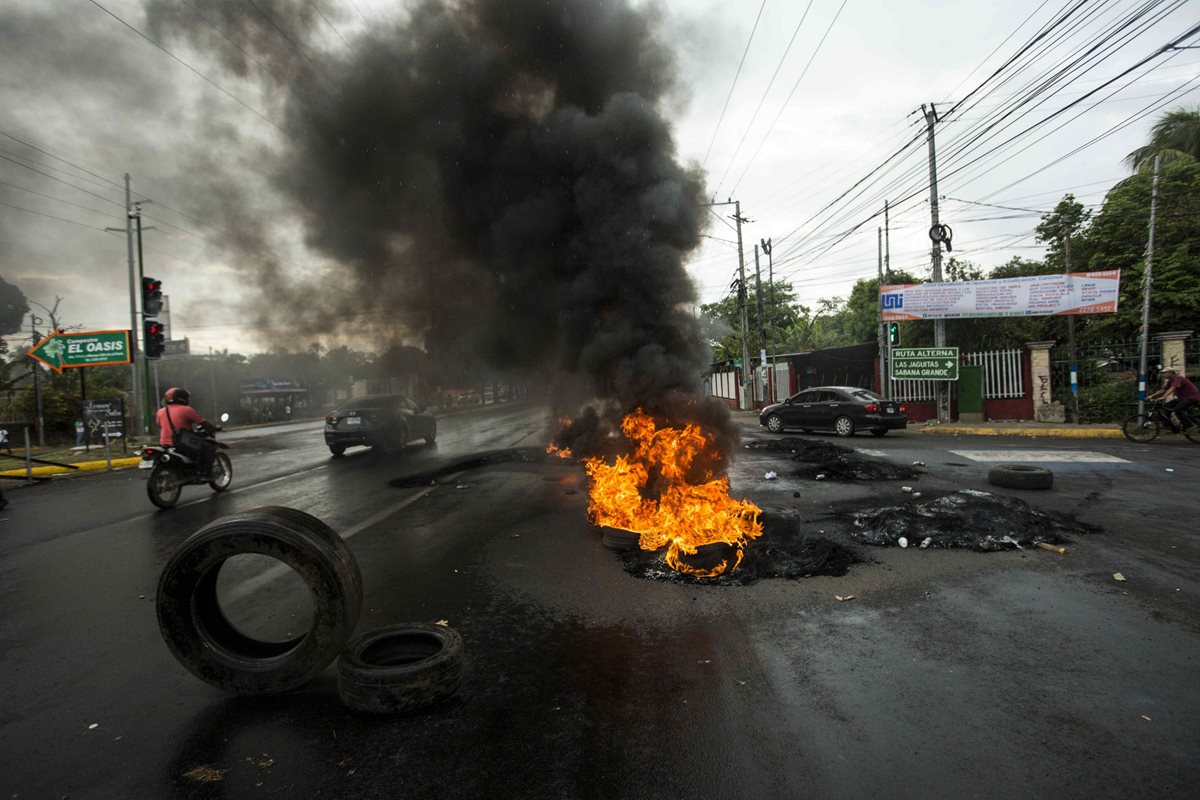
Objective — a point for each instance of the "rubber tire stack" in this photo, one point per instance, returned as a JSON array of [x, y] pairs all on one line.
[[400, 668], [621, 540], [1020, 476], [199, 635]]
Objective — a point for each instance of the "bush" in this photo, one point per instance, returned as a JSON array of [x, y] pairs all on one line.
[[1110, 401]]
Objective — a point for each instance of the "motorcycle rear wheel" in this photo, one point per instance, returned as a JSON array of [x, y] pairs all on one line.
[[222, 473], [164, 486]]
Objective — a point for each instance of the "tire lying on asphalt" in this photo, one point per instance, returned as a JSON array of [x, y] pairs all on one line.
[[621, 540], [200, 636], [400, 668], [1020, 476]]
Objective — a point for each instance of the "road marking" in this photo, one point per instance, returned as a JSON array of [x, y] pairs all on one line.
[[1072, 456]]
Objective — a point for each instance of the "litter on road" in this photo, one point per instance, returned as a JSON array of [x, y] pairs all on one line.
[[1118, 577]]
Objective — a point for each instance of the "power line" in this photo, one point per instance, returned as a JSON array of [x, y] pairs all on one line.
[[729, 96], [192, 69], [51, 216]]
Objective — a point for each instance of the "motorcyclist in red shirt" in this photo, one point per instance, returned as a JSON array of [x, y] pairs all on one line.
[[177, 415]]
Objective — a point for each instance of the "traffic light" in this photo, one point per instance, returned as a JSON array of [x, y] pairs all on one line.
[[155, 340], [152, 299], [893, 333]]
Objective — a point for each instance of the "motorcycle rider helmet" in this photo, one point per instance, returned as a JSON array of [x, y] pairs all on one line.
[[177, 396]]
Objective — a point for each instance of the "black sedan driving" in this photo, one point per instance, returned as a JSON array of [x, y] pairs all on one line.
[[841, 409], [386, 421]]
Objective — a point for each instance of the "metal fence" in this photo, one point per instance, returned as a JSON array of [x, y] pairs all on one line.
[[1003, 378]]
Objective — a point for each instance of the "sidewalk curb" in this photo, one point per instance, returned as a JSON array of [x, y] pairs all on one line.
[[82, 466], [1023, 431]]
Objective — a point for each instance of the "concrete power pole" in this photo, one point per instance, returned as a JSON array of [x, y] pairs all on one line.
[[880, 333], [136, 413], [939, 325], [747, 386], [1147, 281], [762, 329], [1071, 334]]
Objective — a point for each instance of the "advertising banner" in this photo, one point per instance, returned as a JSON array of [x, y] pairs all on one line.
[[1033, 296]]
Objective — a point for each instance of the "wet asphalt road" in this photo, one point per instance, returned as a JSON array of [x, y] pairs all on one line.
[[952, 674]]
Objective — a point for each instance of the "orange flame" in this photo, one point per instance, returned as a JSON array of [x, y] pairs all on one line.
[[561, 452], [685, 516]]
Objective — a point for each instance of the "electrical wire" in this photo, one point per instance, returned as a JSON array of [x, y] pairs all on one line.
[[736, 75]]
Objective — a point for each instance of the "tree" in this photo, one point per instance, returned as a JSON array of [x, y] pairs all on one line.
[[13, 308], [1175, 137], [1068, 215]]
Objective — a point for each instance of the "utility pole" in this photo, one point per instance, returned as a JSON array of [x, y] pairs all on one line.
[[939, 325], [145, 388], [762, 329], [879, 302], [766, 247], [1146, 283], [136, 413], [747, 385], [1071, 334], [37, 386], [887, 276]]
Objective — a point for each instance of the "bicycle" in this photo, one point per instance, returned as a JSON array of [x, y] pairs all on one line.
[[1145, 427]]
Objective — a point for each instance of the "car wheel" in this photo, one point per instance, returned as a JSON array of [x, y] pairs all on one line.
[[199, 635], [431, 438], [843, 426], [338, 450], [400, 668], [774, 423], [1020, 476], [878, 431]]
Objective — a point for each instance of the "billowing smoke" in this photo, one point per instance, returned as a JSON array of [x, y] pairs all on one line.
[[495, 175]]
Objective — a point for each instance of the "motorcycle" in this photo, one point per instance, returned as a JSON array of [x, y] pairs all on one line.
[[171, 469]]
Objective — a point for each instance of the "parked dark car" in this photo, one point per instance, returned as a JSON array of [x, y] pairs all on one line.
[[841, 409], [387, 421]]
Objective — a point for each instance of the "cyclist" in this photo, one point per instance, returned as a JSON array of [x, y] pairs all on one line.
[[1185, 394]]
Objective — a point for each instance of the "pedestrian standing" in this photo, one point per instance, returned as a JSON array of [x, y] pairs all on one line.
[[5, 444], [80, 433]]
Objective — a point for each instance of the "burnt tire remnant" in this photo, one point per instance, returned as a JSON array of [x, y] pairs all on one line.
[[1020, 476], [967, 519], [783, 551], [834, 462], [200, 636], [400, 668]]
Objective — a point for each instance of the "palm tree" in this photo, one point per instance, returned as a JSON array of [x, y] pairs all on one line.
[[1176, 137]]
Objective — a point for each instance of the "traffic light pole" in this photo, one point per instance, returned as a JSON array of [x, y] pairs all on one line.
[[137, 414], [147, 404]]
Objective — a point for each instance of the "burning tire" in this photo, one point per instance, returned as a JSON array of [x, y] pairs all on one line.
[[621, 540], [400, 668], [1020, 476], [200, 636]]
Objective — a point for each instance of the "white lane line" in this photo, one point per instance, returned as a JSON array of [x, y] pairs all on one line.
[[251, 585], [1071, 456]]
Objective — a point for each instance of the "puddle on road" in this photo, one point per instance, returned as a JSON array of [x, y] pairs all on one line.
[[818, 460], [508, 455], [968, 519]]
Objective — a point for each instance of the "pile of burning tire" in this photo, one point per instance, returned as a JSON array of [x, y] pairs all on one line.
[[388, 670]]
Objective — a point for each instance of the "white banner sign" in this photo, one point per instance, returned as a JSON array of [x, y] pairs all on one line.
[[1033, 296]]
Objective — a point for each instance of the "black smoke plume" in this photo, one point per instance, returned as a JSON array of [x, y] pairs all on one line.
[[496, 176]]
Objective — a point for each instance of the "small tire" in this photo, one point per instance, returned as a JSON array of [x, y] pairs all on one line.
[[621, 540], [222, 473], [164, 486], [775, 423], [1020, 476], [200, 636], [400, 668], [843, 426]]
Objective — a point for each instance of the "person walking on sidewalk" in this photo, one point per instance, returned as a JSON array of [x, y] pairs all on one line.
[[1184, 393]]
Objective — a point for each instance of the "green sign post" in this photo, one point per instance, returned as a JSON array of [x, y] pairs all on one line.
[[925, 364], [61, 351]]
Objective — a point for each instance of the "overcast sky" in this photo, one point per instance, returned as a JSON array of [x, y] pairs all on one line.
[[804, 122]]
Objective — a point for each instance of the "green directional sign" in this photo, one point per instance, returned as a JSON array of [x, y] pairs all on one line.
[[925, 364], [61, 351]]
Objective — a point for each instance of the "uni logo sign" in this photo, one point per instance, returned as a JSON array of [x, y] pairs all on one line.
[[893, 300]]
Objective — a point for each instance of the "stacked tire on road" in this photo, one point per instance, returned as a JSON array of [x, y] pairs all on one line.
[[395, 669], [1020, 476]]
